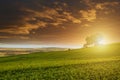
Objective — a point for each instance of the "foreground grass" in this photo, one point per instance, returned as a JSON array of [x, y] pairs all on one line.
[[98, 63], [108, 70]]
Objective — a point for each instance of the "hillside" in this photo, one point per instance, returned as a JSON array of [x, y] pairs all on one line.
[[67, 65]]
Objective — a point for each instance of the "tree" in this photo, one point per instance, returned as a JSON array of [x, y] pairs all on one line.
[[93, 40]]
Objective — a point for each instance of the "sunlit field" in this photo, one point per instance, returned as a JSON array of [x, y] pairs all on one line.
[[95, 63]]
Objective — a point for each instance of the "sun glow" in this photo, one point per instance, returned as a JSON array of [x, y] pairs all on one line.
[[102, 41]]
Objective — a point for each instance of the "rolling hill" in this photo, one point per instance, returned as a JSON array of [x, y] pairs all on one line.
[[95, 63]]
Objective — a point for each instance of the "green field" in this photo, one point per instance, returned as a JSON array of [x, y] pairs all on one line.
[[96, 63]]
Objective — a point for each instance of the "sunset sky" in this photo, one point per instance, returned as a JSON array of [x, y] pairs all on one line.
[[58, 22]]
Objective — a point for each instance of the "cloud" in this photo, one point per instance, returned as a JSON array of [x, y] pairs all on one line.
[[24, 19], [96, 8], [14, 37], [69, 17], [105, 5], [24, 29], [54, 15], [88, 15], [19, 17], [4, 37]]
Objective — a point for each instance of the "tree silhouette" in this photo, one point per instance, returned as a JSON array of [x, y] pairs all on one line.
[[93, 40]]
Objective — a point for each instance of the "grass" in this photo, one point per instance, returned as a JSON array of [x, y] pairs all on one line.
[[97, 63]]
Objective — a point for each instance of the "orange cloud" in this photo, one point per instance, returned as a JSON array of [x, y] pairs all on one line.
[[15, 37], [104, 5], [69, 17], [88, 15], [38, 19], [29, 19], [24, 29]]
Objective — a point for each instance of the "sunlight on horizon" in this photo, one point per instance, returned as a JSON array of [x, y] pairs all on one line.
[[39, 46]]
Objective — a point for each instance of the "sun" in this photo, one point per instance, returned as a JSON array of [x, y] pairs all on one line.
[[102, 41]]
